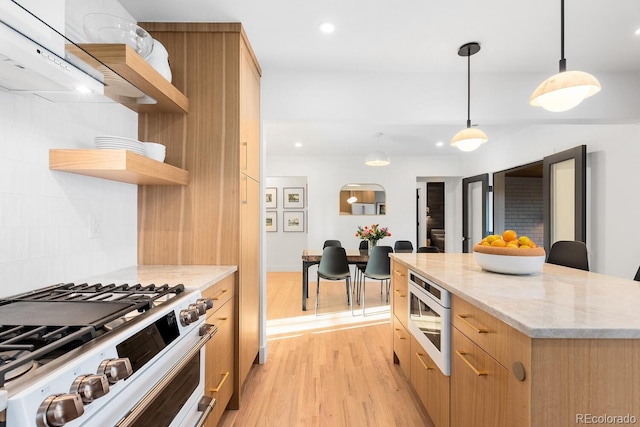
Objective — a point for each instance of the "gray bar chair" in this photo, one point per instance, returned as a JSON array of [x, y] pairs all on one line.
[[378, 268], [569, 253], [334, 266]]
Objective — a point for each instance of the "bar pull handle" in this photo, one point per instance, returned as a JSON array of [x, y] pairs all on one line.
[[477, 371], [399, 294], [219, 386], [399, 273], [245, 148], [472, 326], [217, 297], [399, 336], [422, 361]]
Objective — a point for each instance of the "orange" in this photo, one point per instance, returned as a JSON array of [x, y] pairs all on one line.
[[525, 247], [524, 240], [512, 245], [509, 235], [491, 237], [499, 242], [485, 243], [532, 244]]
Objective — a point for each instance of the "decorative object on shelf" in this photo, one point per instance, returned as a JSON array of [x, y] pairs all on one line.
[[377, 158], [293, 221], [271, 197], [372, 234], [565, 90], [470, 138], [271, 221], [106, 28], [293, 198]]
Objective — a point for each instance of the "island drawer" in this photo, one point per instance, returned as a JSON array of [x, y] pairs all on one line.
[[400, 291], [220, 293], [402, 346]]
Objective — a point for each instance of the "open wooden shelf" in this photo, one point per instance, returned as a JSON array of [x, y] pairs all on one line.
[[127, 77], [117, 165]]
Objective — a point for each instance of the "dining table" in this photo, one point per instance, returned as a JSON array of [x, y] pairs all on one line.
[[313, 256]]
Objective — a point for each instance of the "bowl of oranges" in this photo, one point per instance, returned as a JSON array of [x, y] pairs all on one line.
[[509, 253]]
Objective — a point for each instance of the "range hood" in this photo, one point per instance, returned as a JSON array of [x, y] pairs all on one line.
[[33, 58]]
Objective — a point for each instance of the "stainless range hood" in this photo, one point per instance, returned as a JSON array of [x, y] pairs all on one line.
[[27, 65]]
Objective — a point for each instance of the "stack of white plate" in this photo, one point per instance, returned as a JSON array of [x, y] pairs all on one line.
[[106, 142]]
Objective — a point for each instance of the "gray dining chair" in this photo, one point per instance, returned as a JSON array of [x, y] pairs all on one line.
[[403, 246], [331, 243], [378, 268], [569, 253], [637, 277], [334, 266], [428, 249]]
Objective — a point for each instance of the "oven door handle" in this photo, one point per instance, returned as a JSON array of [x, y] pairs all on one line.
[[206, 332]]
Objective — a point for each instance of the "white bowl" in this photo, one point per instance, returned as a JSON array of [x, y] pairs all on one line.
[[509, 264], [155, 151]]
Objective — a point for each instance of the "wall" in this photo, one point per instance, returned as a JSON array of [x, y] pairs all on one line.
[[44, 214], [612, 178], [523, 207], [282, 246], [327, 174]]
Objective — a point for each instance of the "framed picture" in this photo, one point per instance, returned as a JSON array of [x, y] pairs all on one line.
[[381, 209], [293, 198], [271, 197], [293, 221], [271, 221]]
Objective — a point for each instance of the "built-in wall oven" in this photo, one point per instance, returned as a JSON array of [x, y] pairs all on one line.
[[430, 319]]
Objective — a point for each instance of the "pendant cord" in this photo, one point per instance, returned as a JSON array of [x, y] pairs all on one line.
[[563, 61], [469, 86]]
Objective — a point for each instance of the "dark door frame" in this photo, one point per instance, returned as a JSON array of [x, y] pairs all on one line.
[[484, 179]]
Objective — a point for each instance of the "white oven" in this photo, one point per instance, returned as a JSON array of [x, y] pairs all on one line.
[[143, 369], [430, 319]]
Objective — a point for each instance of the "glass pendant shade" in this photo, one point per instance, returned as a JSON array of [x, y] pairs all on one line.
[[352, 199], [564, 90], [377, 158], [469, 139]]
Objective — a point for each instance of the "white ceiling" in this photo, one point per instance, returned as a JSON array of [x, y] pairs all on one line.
[[414, 36]]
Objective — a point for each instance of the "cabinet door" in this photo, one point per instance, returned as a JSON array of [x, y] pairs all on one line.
[[402, 347], [249, 285], [479, 386], [249, 116], [431, 385]]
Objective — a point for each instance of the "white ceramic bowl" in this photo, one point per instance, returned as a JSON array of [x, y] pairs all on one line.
[[509, 264], [155, 151]]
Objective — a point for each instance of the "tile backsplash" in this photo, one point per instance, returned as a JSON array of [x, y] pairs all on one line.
[[45, 216]]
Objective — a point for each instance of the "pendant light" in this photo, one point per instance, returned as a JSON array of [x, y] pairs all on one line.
[[565, 90], [469, 139], [377, 158]]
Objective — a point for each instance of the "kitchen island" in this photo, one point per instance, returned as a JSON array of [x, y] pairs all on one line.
[[555, 348]]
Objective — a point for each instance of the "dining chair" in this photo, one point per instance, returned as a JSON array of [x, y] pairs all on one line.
[[378, 268], [331, 243], [403, 246], [360, 266], [569, 253], [637, 277], [428, 249], [333, 266]]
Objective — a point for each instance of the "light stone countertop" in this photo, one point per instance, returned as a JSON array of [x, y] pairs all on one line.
[[558, 302], [193, 277]]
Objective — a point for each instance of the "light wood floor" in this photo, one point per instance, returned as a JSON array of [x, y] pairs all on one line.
[[331, 370]]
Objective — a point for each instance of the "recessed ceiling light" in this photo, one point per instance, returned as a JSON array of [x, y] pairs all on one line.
[[439, 144], [638, 32], [298, 144], [327, 27]]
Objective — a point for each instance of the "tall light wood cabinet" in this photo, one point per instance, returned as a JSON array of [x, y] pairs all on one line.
[[216, 218]]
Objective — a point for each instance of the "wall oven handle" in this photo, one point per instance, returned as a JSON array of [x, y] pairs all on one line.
[[206, 332], [477, 371], [469, 324], [205, 406]]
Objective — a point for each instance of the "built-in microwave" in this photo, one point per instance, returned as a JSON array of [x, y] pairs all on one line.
[[430, 319]]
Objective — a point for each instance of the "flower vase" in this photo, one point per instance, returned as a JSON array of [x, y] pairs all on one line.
[[372, 244]]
